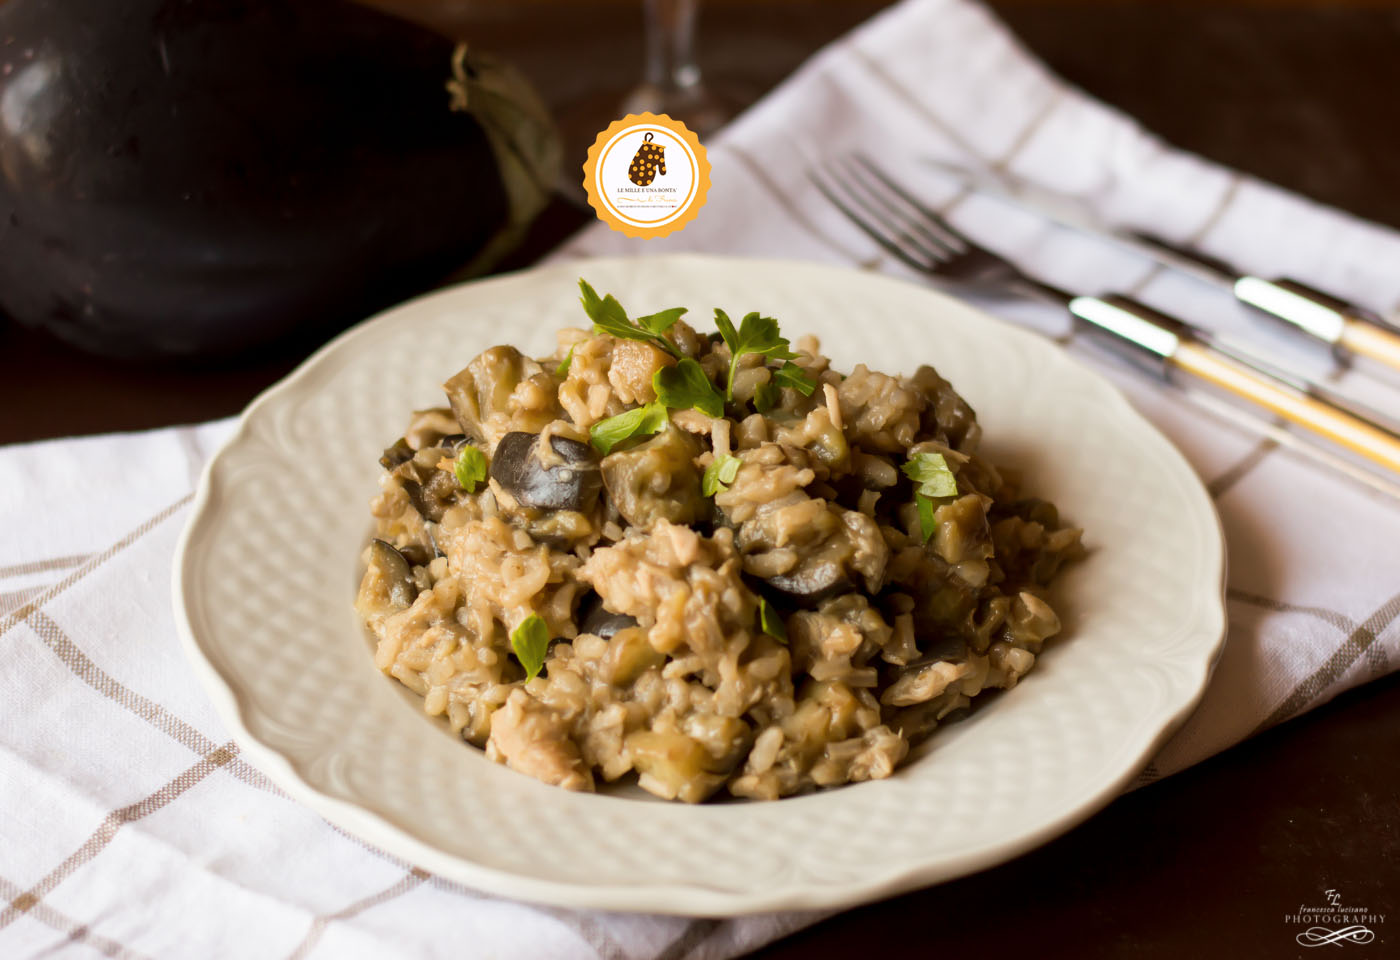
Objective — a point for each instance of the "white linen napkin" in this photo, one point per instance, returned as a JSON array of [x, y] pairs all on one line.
[[128, 821]]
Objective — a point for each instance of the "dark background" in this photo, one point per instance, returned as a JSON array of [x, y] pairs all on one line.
[[1206, 863], [1300, 93]]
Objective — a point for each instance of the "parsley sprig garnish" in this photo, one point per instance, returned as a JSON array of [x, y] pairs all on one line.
[[686, 385], [759, 334], [936, 481], [767, 396], [791, 375], [677, 388], [719, 474], [530, 641], [932, 473], [770, 621], [609, 317], [756, 334], [637, 422], [470, 468], [928, 524]]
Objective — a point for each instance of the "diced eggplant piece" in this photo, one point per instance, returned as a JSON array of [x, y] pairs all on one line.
[[837, 549], [945, 645], [629, 655], [918, 721], [963, 532], [417, 554], [947, 415], [429, 427], [811, 583], [388, 585], [572, 484], [399, 453], [480, 393], [943, 602], [657, 480], [600, 621], [673, 765], [1030, 509], [927, 679], [433, 539], [432, 497]]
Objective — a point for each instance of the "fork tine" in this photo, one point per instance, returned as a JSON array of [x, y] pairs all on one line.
[[932, 217], [867, 223], [900, 214]]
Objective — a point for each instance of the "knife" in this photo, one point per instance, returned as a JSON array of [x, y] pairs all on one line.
[[1347, 328], [1167, 346], [1067, 212]]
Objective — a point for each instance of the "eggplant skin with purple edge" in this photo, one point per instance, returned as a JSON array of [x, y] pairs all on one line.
[[183, 178]]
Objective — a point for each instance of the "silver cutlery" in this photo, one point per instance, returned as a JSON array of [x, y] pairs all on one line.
[[1349, 329], [919, 236]]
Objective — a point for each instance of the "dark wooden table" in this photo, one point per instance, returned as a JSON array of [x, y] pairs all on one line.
[[1208, 862]]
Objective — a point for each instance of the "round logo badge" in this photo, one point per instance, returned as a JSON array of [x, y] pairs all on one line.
[[646, 175]]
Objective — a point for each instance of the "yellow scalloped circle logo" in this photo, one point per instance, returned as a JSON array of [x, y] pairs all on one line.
[[646, 175]]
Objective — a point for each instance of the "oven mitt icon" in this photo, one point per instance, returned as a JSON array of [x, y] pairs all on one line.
[[649, 163]]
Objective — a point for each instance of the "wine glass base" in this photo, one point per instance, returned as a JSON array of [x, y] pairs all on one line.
[[696, 107]]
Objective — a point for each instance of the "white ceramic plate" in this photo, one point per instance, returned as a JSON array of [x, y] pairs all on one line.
[[267, 569]]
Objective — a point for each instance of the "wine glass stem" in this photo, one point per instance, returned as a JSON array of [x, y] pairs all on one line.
[[670, 41]]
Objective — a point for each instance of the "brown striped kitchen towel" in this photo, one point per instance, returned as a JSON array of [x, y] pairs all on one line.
[[131, 826]]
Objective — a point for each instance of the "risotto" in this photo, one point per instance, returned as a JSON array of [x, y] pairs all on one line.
[[704, 558]]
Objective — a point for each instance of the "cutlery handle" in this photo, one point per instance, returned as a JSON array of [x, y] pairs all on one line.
[[1303, 385], [1302, 443], [1136, 332], [1321, 315], [1311, 311], [1369, 340], [1358, 436]]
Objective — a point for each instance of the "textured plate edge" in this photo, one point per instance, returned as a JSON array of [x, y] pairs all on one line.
[[671, 899]]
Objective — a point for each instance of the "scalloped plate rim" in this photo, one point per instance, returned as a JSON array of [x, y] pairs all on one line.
[[676, 899]]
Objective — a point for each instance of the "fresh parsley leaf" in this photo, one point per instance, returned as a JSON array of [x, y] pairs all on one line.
[[636, 422], [932, 473], [530, 641], [771, 622], [686, 385], [470, 467], [609, 317], [659, 323], [605, 312], [927, 524], [936, 481], [791, 375], [719, 475], [563, 369], [726, 329], [767, 396], [756, 334]]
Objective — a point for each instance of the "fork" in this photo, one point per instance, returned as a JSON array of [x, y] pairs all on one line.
[[923, 239], [918, 235], [1349, 329]]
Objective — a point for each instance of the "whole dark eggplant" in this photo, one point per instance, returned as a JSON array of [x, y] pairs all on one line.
[[199, 176]]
